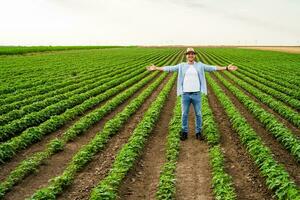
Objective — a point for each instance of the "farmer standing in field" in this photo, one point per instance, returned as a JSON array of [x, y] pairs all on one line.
[[190, 82]]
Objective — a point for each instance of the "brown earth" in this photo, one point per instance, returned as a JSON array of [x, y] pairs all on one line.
[[142, 181], [193, 173]]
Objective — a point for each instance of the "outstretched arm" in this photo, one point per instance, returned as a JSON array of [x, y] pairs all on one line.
[[172, 68], [153, 68], [230, 67], [210, 68]]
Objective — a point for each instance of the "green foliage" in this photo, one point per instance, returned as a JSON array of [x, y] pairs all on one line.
[[166, 187], [36, 118], [124, 161], [278, 67], [90, 77], [277, 179], [279, 131], [48, 97], [13, 50], [39, 72], [97, 144], [277, 106], [31, 135], [221, 181]]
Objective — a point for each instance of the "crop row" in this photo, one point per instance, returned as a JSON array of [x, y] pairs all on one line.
[[277, 179], [31, 135], [126, 157], [270, 122], [81, 88], [283, 110], [277, 106], [36, 118], [279, 95], [254, 71], [221, 181], [58, 144], [271, 61], [167, 179], [278, 130], [270, 73], [56, 95], [294, 103], [31, 163], [57, 67], [42, 89], [26, 82], [87, 152], [67, 85], [22, 49], [290, 92]]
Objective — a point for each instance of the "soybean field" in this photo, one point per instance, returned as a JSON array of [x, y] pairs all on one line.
[[92, 123]]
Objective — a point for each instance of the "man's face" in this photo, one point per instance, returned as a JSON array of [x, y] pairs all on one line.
[[190, 56]]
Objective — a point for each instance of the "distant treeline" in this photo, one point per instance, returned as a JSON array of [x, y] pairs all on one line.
[[12, 50]]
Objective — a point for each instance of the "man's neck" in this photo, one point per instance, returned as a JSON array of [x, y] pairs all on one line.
[[191, 62]]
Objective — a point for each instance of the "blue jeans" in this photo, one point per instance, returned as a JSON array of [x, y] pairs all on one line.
[[187, 99]]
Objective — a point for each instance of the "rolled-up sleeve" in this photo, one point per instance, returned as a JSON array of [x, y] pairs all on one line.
[[171, 68], [209, 68]]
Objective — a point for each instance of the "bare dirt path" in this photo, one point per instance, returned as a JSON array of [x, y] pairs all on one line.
[[57, 163], [142, 181], [193, 173], [246, 177]]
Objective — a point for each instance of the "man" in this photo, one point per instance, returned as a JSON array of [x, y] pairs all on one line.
[[190, 82]]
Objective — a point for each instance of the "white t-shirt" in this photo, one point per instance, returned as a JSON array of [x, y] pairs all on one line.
[[191, 80]]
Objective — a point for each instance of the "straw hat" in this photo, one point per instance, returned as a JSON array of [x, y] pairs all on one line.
[[188, 50]]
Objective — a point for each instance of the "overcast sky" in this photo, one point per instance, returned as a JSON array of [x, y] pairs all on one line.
[[149, 22]]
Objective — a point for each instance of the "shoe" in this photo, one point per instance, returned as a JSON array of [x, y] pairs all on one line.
[[199, 136], [183, 136]]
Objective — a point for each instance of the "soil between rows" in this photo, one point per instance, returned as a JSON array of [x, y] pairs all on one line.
[[193, 173], [247, 181], [41, 145], [142, 181], [57, 163], [289, 125], [99, 167], [280, 154]]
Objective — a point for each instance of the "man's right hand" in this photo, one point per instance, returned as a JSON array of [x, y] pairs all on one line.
[[151, 68]]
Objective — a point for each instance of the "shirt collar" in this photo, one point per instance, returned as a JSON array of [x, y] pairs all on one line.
[[193, 63]]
